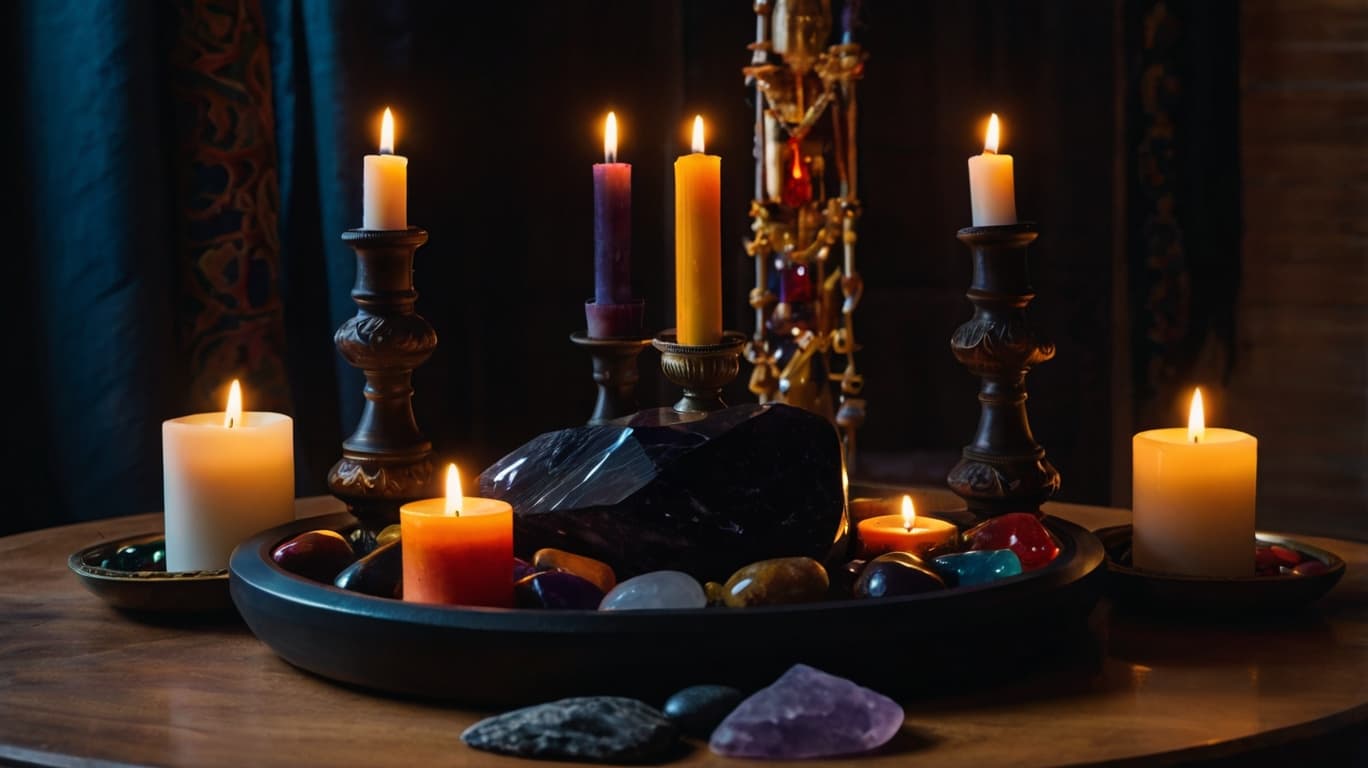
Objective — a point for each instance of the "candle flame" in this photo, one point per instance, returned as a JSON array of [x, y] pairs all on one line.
[[990, 143], [453, 492], [232, 415], [1196, 418], [387, 133], [610, 139], [797, 165], [909, 513], [698, 134]]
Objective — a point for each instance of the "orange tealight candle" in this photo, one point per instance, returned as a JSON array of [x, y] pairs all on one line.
[[458, 550], [905, 533]]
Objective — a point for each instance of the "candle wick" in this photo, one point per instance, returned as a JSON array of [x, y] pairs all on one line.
[[1195, 439], [231, 422]]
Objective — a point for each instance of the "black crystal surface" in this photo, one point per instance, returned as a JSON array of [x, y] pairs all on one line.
[[701, 494]]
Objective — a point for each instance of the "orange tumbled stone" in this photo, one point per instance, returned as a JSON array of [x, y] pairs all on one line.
[[587, 568]]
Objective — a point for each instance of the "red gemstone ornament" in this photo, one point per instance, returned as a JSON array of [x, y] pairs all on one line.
[[1020, 532]]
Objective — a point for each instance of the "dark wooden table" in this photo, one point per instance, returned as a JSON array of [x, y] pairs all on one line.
[[81, 684]]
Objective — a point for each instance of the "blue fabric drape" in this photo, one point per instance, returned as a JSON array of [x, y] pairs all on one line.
[[93, 135]]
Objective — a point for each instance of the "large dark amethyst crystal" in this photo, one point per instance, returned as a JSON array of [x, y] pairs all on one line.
[[700, 494]]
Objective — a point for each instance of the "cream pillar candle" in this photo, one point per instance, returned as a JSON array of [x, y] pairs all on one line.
[[385, 184], [1193, 499], [992, 189], [226, 476]]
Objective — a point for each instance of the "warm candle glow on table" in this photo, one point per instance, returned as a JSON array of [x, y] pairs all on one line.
[[385, 183], [458, 550], [1193, 498], [698, 244], [905, 532], [226, 476], [992, 189]]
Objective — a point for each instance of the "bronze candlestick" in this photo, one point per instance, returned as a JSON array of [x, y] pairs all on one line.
[[615, 373], [701, 369], [386, 462], [1004, 469]]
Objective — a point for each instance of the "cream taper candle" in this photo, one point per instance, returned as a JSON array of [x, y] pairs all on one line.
[[385, 184], [992, 189], [226, 476]]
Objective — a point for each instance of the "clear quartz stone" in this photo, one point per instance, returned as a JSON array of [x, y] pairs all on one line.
[[656, 590]]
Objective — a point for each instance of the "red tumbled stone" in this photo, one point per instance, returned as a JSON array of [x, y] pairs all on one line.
[[1020, 532], [1285, 556]]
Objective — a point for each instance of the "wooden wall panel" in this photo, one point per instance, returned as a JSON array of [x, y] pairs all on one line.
[[1300, 381]]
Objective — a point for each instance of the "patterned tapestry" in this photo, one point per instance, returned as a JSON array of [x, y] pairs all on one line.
[[230, 317]]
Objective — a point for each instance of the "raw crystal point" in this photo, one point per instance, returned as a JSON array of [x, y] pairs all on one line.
[[703, 495], [592, 728], [808, 714], [656, 590]]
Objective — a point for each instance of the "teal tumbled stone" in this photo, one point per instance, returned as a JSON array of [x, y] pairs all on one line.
[[967, 569]]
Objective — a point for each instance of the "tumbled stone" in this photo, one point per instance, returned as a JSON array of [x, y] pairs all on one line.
[[1310, 568], [587, 568], [655, 591], [362, 541], [522, 568], [968, 569], [319, 555], [557, 590], [698, 709], [150, 556], [1285, 556], [1020, 532], [808, 714], [843, 579], [780, 581], [381, 573], [895, 574], [703, 495], [589, 728], [717, 596], [389, 533]]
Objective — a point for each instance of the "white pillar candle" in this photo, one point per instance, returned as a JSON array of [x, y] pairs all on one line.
[[385, 186], [992, 190], [1193, 499], [226, 476]]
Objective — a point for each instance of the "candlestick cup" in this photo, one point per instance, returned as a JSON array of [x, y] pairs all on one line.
[[701, 369]]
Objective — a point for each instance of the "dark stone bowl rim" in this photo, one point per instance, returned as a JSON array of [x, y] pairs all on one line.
[[1081, 554]]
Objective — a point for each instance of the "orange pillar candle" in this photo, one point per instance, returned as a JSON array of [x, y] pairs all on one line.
[[458, 550], [384, 187], [698, 244], [905, 533]]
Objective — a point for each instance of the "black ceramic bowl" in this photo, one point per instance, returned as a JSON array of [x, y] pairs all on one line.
[[491, 656], [1251, 596], [202, 593]]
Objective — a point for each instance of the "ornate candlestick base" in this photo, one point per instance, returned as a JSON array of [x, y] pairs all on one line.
[[386, 462], [1003, 469], [702, 370], [615, 373]]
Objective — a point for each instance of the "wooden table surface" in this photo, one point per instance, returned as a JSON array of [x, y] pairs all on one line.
[[80, 683]]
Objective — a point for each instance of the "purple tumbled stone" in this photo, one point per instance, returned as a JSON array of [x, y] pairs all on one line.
[[808, 714]]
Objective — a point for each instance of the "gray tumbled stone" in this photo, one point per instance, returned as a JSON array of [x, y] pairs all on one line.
[[600, 728]]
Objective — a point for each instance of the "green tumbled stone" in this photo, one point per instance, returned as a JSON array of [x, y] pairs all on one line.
[[779, 581]]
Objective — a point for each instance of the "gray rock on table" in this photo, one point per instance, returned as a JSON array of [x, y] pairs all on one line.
[[607, 729]]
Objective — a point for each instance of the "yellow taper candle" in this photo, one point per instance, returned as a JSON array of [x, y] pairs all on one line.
[[385, 184], [1194, 499], [698, 244]]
